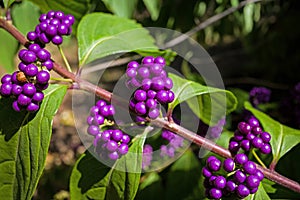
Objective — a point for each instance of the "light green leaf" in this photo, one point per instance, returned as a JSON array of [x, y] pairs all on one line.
[[90, 179], [108, 34], [210, 104], [7, 3], [124, 8], [24, 142], [9, 46], [248, 17], [259, 195], [77, 8], [283, 138], [153, 6], [25, 16], [183, 181]]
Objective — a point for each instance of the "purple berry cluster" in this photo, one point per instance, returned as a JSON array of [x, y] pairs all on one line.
[[53, 25], [259, 95], [111, 142], [147, 156], [175, 142], [242, 179], [153, 87], [250, 134]]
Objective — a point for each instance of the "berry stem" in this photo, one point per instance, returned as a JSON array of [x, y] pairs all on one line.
[[187, 134], [258, 159], [64, 58], [61, 79]]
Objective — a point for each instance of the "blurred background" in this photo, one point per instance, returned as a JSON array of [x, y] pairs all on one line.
[[256, 45]]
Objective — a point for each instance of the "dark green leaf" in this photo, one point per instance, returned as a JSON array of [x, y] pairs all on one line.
[[78, 8], [241, 96], [153, 6], [8, 50], [25, 16], [210, 103], [7, 3], [124, 8], [283, 138], [183, 181], [108, 34], [92, 179], [24, 142], [151, 188]]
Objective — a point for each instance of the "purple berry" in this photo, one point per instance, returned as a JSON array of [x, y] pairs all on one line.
[[93, 130], [5, 89], [31, 36], [34, 48], [16, 89], [113, 155], [241, 158], [148, 60], [157, 84], [265, 148], [32, 107], [89, 120], [131, 72], [6, 78], [43, 38], [249, 167], [230, 186], [51, 30], [245, 144], [31, 70], [22, 66], [220, 182], [215, 193], [206, 172], [29, 89], [239, 176], [125, 139], [40, 86], [256, 130], [265, 136], [171, 96], [168, 83], [100, 103], [112, 146], [105, 136], [29, 57], [228, 165], [98, 120], [242, 191], [233, 146], [43, 17], [22, 53], [48, 64], [43, 55], [140, 95], [160, 60], [123, 149], [117, 135], [151, 94], [253, 122], [111, 110], [133, 64], [70, 18], [43, 26], [16, 106], [155, 69], [62, 29], [252, 181], [253, 190], [257, 142], [250, 136], [214, 165], [59, 15], [153, 113], [140, 108], [42, 77], [143, 72], [259, 175], [210, 158], [162, 96], [57, 40], [50, 14], [94, 110], [244, 128], [23, 100], [146, 84]]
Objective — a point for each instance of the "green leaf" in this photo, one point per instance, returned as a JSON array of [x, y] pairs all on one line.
[[77, 8], [241, 96], [210, 104], [24, 142], [91, 179], [7, 54], [183, 180], [7, 3], [153, 6], [124, 8], [259, 195], [248, 17], [151, 187], [108, 34], [283, 138], [25, 16]]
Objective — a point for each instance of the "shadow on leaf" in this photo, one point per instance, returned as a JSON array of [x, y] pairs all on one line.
[[10, 120]]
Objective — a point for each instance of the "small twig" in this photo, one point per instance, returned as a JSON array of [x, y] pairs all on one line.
[[207, 23], [258, 159], [64, 58], [185, 133]]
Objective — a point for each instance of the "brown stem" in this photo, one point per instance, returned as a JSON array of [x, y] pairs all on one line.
[[187, 134]]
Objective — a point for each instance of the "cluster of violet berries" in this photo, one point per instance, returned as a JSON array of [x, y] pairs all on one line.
[[249, 134], [26, 85], [259, 95], [242, 179], [111, 142], [153, 87], [53, 25], [175, 142]]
